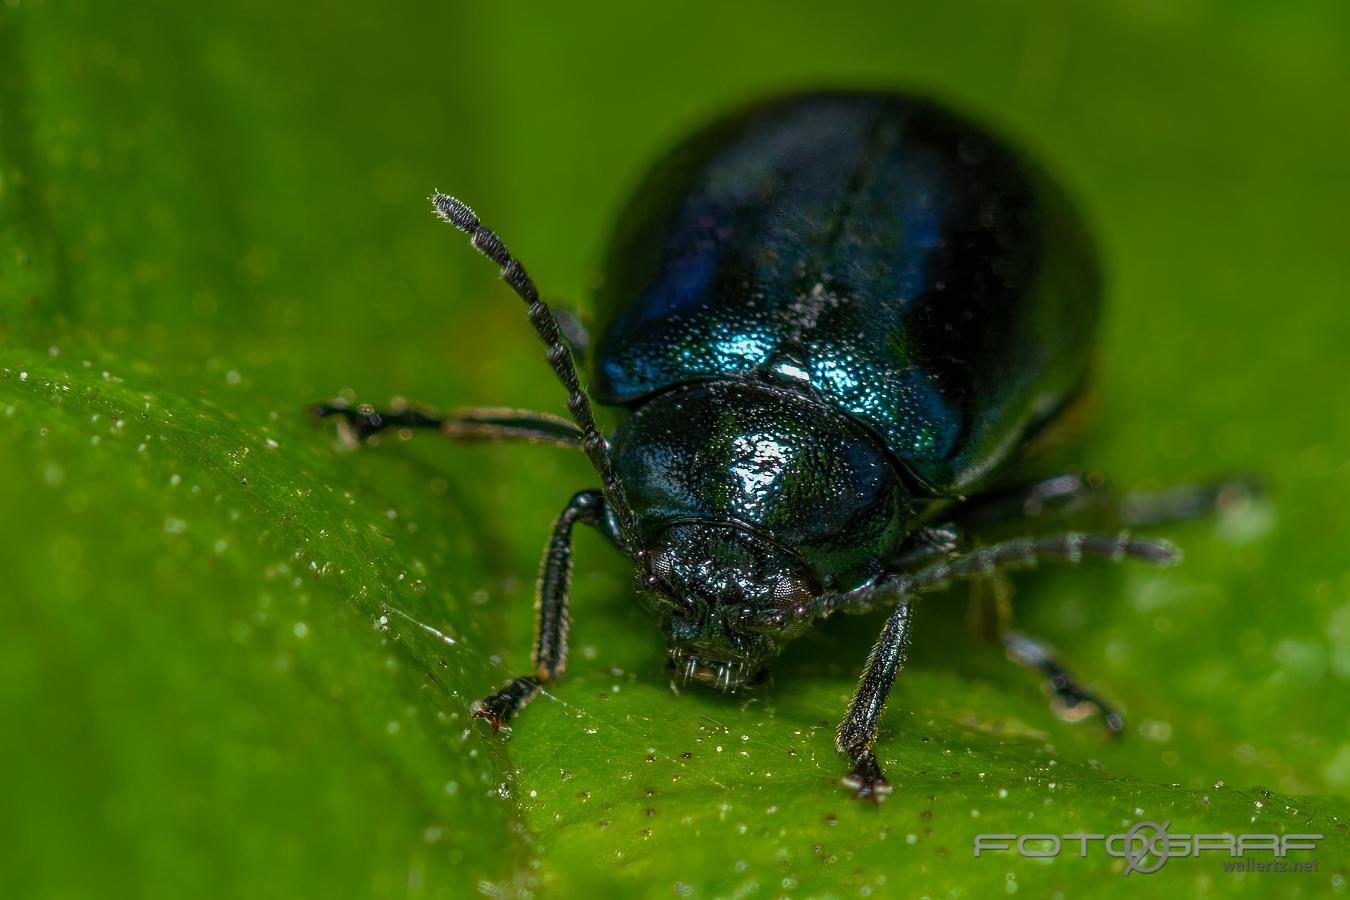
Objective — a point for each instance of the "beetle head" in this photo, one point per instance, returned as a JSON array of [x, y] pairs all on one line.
[[727, 599]]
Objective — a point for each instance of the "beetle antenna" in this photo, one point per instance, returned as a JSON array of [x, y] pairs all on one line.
[[486, 242]]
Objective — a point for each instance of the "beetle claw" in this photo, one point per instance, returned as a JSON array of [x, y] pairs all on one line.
[[501, 707], [1073, 704], [480, 711], [355, 425], [866, 781]]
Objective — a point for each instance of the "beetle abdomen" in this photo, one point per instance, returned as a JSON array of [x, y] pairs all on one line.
[[873, 248]]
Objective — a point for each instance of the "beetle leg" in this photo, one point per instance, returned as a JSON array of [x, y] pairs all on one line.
[[926, 545], [470, 423], [1073, 492], [991, 618], [555, 583], [858, 731], [989, 614], [1021, 553], [1061, 494], [1187, 501], [1071, 700]]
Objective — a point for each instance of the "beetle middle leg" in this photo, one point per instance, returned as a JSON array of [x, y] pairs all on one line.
[[555, 583], [467, 424]]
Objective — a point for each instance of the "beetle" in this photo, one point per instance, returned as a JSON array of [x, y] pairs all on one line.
[[829, 327]]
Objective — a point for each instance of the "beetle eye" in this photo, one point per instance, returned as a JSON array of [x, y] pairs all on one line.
[[659, 568], [788, 609], [657, 590]]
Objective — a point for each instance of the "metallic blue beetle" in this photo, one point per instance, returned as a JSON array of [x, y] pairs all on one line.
[[829, 324]]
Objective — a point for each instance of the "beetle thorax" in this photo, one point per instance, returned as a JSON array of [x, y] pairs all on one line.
[[771, 461], [750, 500]]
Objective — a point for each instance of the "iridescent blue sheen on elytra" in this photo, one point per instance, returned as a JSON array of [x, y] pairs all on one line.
[[828, 324], [873, 250]]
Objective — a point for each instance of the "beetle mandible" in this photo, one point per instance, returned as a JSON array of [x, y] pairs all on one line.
[[829, 324]]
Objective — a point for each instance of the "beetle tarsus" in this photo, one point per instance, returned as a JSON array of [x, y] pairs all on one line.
[[1069, 700], [865, 780], [366, 421], [357, 422], [500, 708]]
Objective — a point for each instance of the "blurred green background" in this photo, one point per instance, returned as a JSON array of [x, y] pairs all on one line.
[[235, 660]]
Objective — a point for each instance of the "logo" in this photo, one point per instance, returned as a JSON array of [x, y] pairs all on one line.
[[1147, 846]]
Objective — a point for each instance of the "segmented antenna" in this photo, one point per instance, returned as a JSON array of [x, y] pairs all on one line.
[[486, 242]]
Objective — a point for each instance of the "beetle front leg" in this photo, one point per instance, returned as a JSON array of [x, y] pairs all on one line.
[[555, 584], [858, 731]]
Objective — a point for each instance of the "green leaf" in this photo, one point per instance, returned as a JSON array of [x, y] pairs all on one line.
[[238, 657]]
